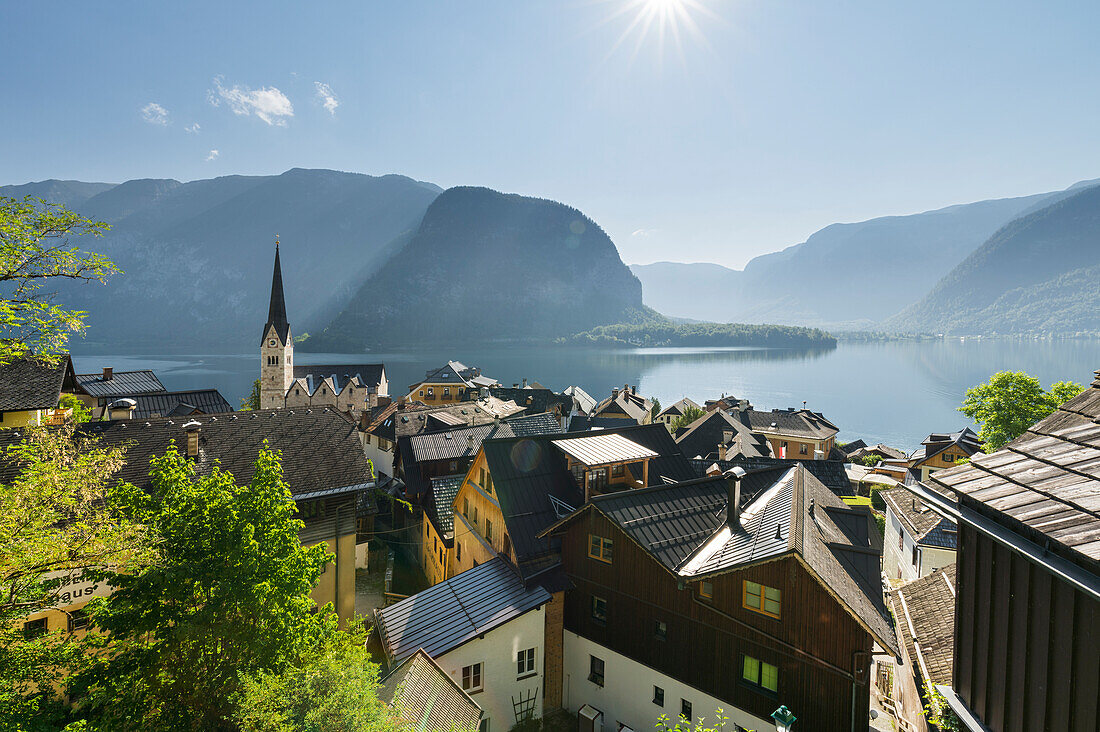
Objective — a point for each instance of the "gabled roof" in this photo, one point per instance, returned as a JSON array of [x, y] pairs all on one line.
[[29, 383], [276, 309], [427, 698], [925, 613], [456, 611], [634, 406], [603, 449], [965, 440], [1045, 483], [585, 423], [795, 422], [704, 435], [584, 401], [121, 384], [883, 451], [464, 442], [922, 523], [785, 511], [534, 399], [677, 409], [179, 403], [440, 506], [831, 473], [452, 372], [320, 448], [365, 375]]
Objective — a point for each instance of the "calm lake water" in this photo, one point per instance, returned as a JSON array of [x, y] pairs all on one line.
[[893, 392]]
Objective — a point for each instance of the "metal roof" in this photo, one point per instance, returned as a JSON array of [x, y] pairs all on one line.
[[466, 441], [121, 383], [601, 449], [447, 615], [427, 698], [178, 403]]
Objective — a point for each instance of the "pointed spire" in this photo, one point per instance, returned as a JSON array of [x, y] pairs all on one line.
[[276, 312]]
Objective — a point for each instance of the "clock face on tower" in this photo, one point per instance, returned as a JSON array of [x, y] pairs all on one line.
[[272, 343]]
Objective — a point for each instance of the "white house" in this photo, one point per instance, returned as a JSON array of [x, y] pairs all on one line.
[[918, 540], [486, 630]]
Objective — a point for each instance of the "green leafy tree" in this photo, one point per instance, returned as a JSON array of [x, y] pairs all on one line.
[[36, 250], [690, 415], [655, 409], [252, 401], [333, 689], [1011, 402], [227, 596], [871, 460], [56, 522], [80, 412]]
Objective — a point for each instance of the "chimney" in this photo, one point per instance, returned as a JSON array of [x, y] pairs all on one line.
[[819, 455], [615, 393], [733, 497], [193, 428], [121, 409], [727, 437], [722, 451], [108, 373], [524, 382], [634, 389]]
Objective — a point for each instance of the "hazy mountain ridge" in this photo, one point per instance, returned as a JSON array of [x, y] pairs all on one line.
[[489, 266], [68, 193]]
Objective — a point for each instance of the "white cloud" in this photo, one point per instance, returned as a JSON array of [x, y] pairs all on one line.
[[154, 114], [641, 233], [267, 103], [327, 97], [193, 129], [212, 156]]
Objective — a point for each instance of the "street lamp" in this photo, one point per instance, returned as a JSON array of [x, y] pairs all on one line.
[[783, 719]]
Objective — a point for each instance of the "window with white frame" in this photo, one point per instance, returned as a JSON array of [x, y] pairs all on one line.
[[525, 662], [472, 678]]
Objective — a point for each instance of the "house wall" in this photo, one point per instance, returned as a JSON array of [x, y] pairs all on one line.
[[795, 444], [470, 525], [897, 561], [379, 451], [1027, 644], [435, 555], [440, 393], [626, 697], [497, 651], [820, 650], [11, 420]]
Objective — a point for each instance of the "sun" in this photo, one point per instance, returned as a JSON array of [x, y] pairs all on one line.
[[668, 23]]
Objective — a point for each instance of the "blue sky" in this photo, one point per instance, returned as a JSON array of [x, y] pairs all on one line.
[[775, 118]]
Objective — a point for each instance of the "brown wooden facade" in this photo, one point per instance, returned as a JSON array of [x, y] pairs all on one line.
[[823, 654], [1027, 644]]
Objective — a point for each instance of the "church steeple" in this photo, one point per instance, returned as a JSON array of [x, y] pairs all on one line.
[[276, 311]]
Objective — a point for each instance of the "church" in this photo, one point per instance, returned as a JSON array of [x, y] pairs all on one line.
[[352, 388]]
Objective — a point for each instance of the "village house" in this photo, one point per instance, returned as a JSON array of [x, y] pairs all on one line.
[[425, 697], [625, 404], [191, 402], [30, 390], [940, 451], [918, 540], [741, 592], [858, 450], [583, 403], [353, 388], [322, 463], [718, 435], [796, 434], [671, 413], [534, 399], [486, 629], [448, 384], [1027, 648], [101, 390]]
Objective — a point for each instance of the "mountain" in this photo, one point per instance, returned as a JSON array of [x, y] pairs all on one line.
[[485, 265], [845, 275], [68, 193], [1038, 274], [196, 257]]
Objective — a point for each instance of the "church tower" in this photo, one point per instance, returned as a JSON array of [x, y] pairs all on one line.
[[277, 346]]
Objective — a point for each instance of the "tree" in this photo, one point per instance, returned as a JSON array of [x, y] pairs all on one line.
[[35, 250], [871, 460], [1011, 402], [690, 415], [655, 409], [56, 521], [80, 412], [334, 689], [252, 401], [228, 595]]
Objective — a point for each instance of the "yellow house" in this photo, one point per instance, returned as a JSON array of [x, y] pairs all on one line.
[[30, 390], [794, 434], [449, 384], [941, 450]]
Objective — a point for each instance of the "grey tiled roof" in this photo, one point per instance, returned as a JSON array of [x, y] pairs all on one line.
[[27, 384], [677, 409], [440, 507], [455, 611], [831, 473], [925, 613], [365, 374], [965, 440], [426, 698], [703, 436], [1047, 480], [921, 522], [121, 384], [799, 422], [466, 441], [179, 403], [583, 423]]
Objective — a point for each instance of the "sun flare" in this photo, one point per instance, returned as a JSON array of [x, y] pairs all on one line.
[[670, 23]]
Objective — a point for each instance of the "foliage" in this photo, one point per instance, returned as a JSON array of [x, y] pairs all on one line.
[[1010, 403], [334, 689], [690, 415], [80, 412], [35, 251], [661, 331], [656, 409], [55, 523], [871, 460], [880, 522], [682, 724], [877, 501], [938, 712], [227, 596], [252, 401]]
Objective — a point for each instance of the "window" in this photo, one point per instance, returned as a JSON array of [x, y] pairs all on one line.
[[901, 538], [595, 670], [578, 472], [685, 709], [481, 475], [599, 609], [471, 678], [660, 630], [597, 478], [421, 392], [763, 676], [488, 530], [948, 457], [914, 555], [617, 471], [475, 515], [488, 482], [599, 548], [458, 551], [466, 507], [783, 444], [658, 696], [761, 598], [525, 662], [446, 391], [441, 557], [435, 542], [34, 628], [803, 449], [706, 590]]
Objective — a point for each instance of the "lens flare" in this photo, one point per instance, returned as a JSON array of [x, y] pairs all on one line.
[[669, 23]]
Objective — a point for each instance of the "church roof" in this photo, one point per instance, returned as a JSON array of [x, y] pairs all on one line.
[[276, 311]]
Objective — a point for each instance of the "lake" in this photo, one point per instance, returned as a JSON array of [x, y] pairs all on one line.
[[894, 392]]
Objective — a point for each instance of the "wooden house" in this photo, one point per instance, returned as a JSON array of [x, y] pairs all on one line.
[[941, 451], [672, 412], [625, 404], [31, 388]]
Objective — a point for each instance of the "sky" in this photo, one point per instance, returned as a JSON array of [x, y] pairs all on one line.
[[766, 121]]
